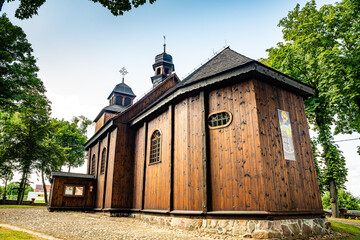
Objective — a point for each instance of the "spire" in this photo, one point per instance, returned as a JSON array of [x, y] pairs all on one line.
[[123, 72], [164, 43]]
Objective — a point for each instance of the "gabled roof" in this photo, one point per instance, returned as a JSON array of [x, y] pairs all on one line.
[[122, 88], [223, 61]]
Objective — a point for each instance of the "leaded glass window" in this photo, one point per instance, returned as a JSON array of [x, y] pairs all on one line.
[[219, 119], [155, 147]]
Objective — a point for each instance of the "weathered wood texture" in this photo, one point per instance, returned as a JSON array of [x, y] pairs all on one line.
[[188, 168], [289, 185], [158, 175], [103, 119], [110, 169], [100, 176], [123, 167], [139, 158], [58, 200], [235, 162]]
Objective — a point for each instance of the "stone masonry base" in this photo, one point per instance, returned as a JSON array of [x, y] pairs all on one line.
[[256, 229]]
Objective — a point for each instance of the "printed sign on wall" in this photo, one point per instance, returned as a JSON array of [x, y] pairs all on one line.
[[286, 134]]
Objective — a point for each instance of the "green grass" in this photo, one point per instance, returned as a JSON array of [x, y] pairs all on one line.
[[8, 234], [18, 206], [342, 227]]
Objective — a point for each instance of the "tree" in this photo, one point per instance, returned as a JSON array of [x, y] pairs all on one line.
[[72, 137], [18, 70], [321, 49], [117, 7], [6, 174], [346, 200]]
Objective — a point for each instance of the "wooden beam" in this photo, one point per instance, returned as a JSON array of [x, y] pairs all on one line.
[[144, 173], [171, 164], [106, 166], [89, 161], [204, 153]]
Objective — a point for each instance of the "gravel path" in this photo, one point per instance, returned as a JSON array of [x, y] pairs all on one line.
[[78, 225]]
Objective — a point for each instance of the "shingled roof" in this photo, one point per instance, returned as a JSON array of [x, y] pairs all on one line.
[[223, 61], [122, 88]]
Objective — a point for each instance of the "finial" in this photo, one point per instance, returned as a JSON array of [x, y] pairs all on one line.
[[123, 72], [164, 43]]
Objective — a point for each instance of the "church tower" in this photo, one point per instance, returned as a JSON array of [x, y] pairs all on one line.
[[163, 67], [120, 99]]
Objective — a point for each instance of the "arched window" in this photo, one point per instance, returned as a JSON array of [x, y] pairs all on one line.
[[158, 71], [166, 71], [103, 159], [155, 147], [92, 171]]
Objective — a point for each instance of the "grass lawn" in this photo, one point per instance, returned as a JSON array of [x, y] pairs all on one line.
[[8, 234], [342, 227], [18, 206]]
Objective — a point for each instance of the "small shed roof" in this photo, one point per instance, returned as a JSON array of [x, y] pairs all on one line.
[[74, 175]]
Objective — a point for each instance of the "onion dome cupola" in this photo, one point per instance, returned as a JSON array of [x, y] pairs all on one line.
[[163, 67]]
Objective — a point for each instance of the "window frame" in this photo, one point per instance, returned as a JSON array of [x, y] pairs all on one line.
[[103, 161], [74, 186], [221, 126], [160, 147], [93, 165]]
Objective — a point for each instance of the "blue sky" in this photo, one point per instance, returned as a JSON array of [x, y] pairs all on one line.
[[80, 47]]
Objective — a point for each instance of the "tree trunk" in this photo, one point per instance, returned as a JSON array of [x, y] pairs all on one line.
[[334, 199], [4, 197], [1, 4], [69, 168], [21, 188], [44, 186]]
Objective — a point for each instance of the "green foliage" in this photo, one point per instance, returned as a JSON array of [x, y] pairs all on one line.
[[310, 53], [19, 84], [342, 227], [72, 137], [7, 234], [345, 199], [117, 7]]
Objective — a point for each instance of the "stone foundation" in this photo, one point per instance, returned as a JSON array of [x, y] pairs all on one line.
[[256, 229]]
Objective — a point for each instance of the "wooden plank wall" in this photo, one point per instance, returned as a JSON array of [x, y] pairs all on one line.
[[139, 158], [188, 169], [110, 169], [235, 162], [290, 185], [100, 177], [123, 167], [158, 175], [58, 200]]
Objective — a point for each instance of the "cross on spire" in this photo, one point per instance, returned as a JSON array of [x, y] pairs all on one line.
[[123, 72]]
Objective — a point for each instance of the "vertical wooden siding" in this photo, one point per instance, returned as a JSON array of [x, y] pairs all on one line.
[[157, 175], [290, 185], [235, 162], [188, 175], [123, 167], [139, 158], [101, 177], [110, 169]]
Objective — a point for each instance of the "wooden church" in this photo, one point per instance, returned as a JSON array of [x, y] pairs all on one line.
[[230, 139]]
